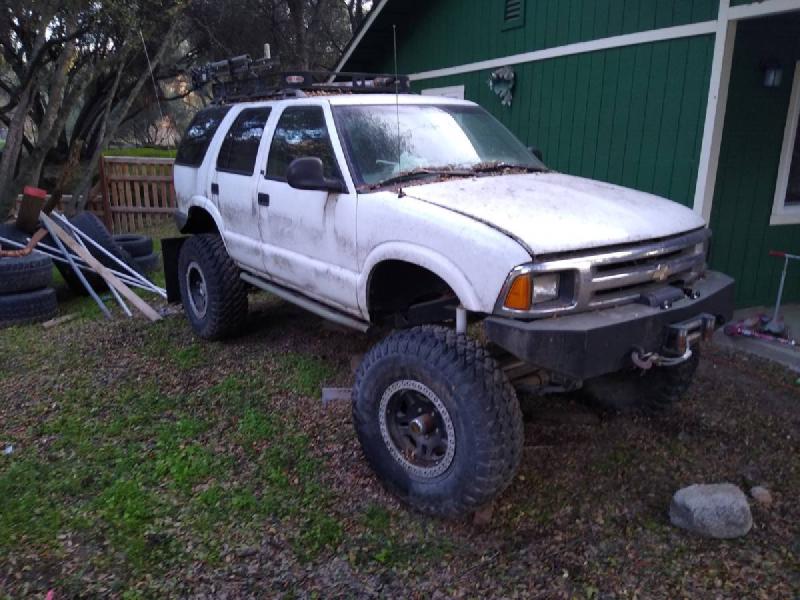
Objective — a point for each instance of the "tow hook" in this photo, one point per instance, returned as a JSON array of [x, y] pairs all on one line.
[[647, 360]]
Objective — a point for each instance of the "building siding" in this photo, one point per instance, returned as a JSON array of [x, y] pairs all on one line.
[[475, 27], [632, 116], [755, 120]]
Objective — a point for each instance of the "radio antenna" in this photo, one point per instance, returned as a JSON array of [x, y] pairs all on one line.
[[397, 102]]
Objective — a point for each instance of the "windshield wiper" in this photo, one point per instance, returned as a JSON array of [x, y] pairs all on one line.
[[503, 166], [419, 174]]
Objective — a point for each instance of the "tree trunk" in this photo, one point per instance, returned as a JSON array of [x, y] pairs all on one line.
[[13, 148]]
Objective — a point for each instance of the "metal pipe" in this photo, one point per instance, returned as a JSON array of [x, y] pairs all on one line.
[[461, 320], [114, 291], [78, 272], [55, 254], [122, 263]]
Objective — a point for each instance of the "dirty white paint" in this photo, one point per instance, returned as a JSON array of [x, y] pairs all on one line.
[[470, 232], [551, 212]]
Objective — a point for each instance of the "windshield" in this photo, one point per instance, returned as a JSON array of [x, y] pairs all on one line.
[[433, 139]]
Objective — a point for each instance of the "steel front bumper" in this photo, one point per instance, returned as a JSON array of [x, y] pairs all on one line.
[[591, 344]]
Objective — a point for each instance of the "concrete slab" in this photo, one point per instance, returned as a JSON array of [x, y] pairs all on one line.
[[788, 356]]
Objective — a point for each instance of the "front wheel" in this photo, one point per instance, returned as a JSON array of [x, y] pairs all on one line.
[[438, 420], [214, 297]]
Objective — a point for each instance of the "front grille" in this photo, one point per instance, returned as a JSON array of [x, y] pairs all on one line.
[[620, 275]]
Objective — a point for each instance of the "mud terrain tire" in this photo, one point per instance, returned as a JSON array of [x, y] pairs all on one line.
[[214, 297], [473, 403], [653, 392]]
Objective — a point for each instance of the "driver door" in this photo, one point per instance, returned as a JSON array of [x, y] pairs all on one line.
[[308, 236]]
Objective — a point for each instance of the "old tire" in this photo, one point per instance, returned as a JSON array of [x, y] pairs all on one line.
[[93, 227], [136, 245], [147, 263], [475, 431], [214, 297], [25, 273], [28, 307], [652, 392]]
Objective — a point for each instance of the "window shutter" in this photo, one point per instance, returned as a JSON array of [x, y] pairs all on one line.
[[513, 13]]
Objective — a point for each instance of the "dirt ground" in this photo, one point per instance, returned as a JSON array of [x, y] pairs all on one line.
[[149, 464]]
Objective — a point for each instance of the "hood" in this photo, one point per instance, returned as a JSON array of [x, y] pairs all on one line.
[[552, 212]]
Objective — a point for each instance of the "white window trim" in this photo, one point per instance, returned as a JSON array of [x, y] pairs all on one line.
[[450, 91], [782, 214]]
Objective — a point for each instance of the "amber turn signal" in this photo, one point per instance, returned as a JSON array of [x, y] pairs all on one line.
[[519, 294]]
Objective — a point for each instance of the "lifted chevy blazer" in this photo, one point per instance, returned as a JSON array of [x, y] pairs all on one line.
[[422, 215]]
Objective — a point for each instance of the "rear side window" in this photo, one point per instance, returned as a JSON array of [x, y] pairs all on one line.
[[301, 132], [198, 136], [239, 149]]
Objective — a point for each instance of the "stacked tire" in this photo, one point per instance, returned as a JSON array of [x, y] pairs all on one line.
[[25, 292], [140, 248]]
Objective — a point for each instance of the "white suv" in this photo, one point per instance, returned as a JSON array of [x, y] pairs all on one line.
[[422, 213]]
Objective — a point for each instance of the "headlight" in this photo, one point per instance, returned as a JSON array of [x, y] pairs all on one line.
[[545, 288], [530, 289]]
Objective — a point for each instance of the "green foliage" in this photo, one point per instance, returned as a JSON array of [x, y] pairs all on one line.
[[145, 152]]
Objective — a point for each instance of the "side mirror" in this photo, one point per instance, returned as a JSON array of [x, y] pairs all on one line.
[[536, 152], [307, 173]]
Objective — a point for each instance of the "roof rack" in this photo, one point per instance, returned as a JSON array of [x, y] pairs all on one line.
[[242, 79]]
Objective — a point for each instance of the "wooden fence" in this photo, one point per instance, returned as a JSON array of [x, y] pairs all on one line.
[[137, 193]]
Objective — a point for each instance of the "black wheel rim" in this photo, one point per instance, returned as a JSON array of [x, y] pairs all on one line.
[[197, 290], [417, 429]]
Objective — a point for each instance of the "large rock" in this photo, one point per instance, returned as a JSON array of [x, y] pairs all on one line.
[[717, 510]]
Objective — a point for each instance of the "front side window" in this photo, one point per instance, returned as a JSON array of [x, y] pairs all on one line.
[[199, 135], [301, 132], [238, 151]]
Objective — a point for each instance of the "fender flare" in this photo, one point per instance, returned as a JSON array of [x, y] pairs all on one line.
[[203, 203], [423, 257]]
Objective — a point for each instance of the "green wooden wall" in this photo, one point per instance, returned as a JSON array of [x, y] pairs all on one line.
[[447, 33], [755, 119]]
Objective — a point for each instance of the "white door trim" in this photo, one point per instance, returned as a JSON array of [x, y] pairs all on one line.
[[782, 214], [617, 41], [715, 112]]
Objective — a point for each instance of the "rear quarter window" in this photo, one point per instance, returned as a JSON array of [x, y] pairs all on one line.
[[239, 149], [199, 135]]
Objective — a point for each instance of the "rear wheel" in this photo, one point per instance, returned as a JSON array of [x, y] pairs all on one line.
[[438, 421], [214, 297], [653, 391]]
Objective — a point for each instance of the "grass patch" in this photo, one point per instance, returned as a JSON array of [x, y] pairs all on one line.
[[303, 374], [147, 152]]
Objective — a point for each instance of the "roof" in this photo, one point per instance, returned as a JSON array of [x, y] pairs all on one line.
[[374, 38]]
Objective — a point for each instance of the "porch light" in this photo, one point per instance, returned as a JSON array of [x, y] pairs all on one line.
[[773, 74]]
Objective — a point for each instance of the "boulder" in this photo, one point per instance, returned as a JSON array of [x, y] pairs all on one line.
[[717, 510]]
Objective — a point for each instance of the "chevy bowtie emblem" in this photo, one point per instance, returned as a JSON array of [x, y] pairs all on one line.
[[661, 273]]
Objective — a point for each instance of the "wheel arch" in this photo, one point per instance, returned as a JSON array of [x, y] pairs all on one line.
[[397, 253], [202, 217]]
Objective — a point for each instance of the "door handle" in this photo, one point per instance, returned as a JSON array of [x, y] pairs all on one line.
[[214, 188], [263, 199]]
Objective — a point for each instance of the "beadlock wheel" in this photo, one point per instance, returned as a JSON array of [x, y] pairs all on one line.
[[416, 428]]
